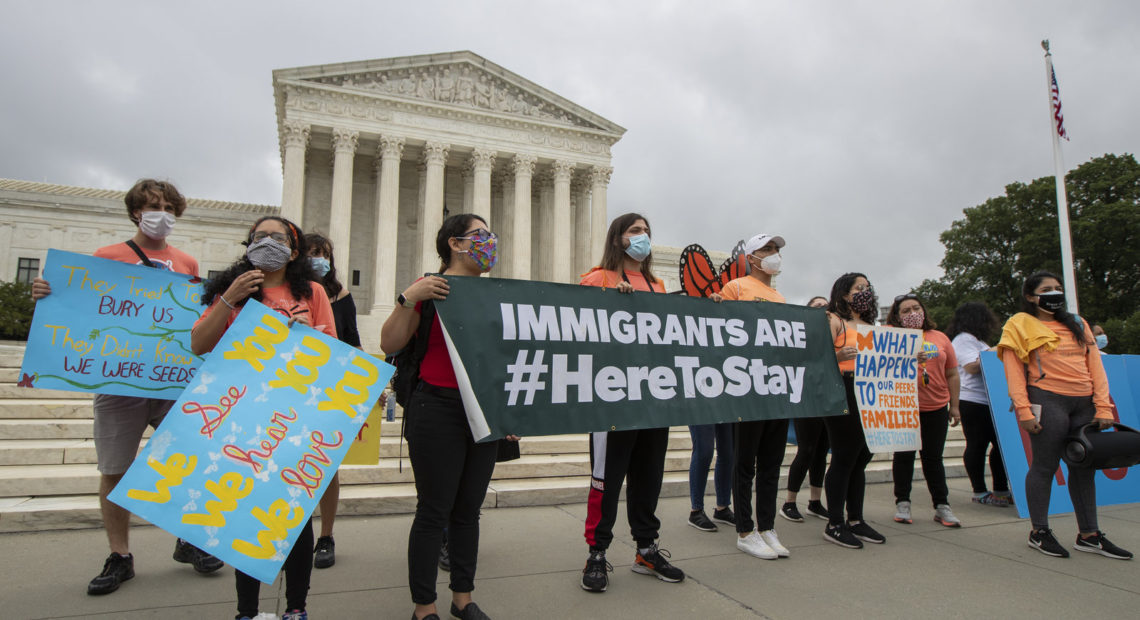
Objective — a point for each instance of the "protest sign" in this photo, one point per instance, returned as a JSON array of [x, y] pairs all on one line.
[[1113, 486], [243, 457], [886, 387], [365, 450], [590, 359], [112, 328]]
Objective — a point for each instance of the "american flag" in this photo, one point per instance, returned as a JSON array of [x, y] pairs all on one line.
[[1058, 118]]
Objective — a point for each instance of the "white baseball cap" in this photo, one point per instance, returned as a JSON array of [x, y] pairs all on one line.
[[761, 240]]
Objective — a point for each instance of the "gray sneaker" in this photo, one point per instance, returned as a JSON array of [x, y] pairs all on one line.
[[902, 513], [943, 515]]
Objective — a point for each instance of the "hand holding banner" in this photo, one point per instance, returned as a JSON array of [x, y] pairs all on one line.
[[886, 387]]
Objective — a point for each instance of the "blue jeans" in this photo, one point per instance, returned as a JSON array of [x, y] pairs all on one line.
[[704, 437]]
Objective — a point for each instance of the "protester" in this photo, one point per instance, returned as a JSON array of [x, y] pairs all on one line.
[[1057, 384], [937, 407], [704, 438], [635, 456], [451, 470], [154, 207], [971, 328], [853, 302], [759, 446], [344, 315], [1100, 337], [811, 460], [275, 271]]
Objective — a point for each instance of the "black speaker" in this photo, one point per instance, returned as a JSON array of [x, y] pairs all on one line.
[[1091, 448]]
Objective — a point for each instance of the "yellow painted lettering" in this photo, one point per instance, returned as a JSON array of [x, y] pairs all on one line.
[[351, 390], [260, 346], [173, 471], [301, 371], [277, 522], [228, 489]]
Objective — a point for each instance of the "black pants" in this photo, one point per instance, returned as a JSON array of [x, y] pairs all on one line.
[[978, 426], [452, 473], [932, 426], [811, 454], [757, 452], [637, 457], [846, 478], [298, 569]]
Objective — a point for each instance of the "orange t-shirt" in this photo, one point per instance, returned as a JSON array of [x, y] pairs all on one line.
[[169, 258], [848, 335], [610, 279], [1072, 369], [940, 356], [748, 288], [280, 299]]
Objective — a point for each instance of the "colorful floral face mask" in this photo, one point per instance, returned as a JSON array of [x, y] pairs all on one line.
[[484, 246]]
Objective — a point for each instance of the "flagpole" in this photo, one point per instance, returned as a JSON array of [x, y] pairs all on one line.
[[1068, 272]]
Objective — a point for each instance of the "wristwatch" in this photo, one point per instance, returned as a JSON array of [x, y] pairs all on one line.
[[405, 302]]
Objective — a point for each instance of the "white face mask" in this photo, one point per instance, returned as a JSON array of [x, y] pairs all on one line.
[[156, 224], [769, 264]]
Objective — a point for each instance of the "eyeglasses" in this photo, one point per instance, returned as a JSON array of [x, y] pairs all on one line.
[[479, 234], [278, 237], [905, 297]]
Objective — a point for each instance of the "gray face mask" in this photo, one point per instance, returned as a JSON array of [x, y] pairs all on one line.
[[268, 254]]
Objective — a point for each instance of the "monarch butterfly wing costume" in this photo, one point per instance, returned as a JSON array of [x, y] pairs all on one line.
[[698, 275], [736, 266]]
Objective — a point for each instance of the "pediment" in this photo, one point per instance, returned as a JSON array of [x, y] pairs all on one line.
[[461, 79]]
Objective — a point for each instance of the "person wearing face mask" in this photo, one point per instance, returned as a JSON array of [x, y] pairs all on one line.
[[636, 457], [810, 461], [1100, 338], [853, 302], [120, 421], [451, 470], [275, 271], [937, 408], [344, 316], [758, 448], [1057, 384]]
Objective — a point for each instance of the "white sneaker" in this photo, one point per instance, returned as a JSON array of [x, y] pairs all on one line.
[[753, 544], [943, 515], [773, 542], [902, 513]]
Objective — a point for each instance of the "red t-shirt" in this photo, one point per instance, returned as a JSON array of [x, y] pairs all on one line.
[[169, 258], [436, 366], [940, 356], [281, 299]]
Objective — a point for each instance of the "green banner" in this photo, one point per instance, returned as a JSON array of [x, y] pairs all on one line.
[[536, 358]]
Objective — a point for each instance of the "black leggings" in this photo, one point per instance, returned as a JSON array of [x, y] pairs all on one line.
[[298, 569], [932, 427], [811, 453], [978, 426], [846, 477]]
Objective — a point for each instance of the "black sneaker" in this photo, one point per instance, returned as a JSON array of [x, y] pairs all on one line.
[[1045, 542], [866, 533], [116, 570], [1097, 543], [444, 557], [594, 578], [470, 612], [203, 562], [324, 554], [815, 508], [655, 562], [791, 513], [724, 515], [842, 536], [699, 520]]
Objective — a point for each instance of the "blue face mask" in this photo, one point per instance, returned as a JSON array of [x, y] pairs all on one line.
[[321, 265], [1101, 341], [639, 247]]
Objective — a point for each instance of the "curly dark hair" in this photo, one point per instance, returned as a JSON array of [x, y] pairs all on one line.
[[453, 226], [298, 272], [974, 318], [840, 307], [146, 190], [894, 320], [332, 285], [1062, 316]]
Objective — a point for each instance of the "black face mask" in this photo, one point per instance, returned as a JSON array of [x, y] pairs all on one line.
[[1051, 301]]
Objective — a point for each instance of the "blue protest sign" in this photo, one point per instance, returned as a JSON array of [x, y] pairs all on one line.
[[1113, 486], [244, 456], [112, 328]]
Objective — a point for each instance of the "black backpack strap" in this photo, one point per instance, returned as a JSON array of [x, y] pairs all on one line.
[[138, 252]]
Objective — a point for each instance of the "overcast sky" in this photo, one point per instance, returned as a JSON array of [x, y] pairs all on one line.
[[857, 130]]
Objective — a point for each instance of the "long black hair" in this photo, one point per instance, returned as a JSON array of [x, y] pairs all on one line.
[[453, 226], [332, 285], [298, 272], [894, 320], [839, 306], [613, 253], [974, 318], [1063, 316]]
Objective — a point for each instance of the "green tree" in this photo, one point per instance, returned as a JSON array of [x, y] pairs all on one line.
[[1001, 241], [16, 309]]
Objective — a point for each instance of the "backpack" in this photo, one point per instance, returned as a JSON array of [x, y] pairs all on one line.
[[407, 360]]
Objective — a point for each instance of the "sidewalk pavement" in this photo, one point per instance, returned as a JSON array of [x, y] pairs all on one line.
[[531, 559]]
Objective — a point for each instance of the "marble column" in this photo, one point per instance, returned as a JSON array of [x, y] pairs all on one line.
[[295, 138], [387, 222], [435, 159], [505, 223], [521, 214], [562, 252], [340, 209], [583, 226], [417, 255], [542, 227], [468, 174], [599, 179], [482, 160]]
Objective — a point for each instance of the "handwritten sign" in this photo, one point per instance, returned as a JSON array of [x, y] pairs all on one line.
[[886, 387], [112, 328], [365, 450], [245, 454]]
